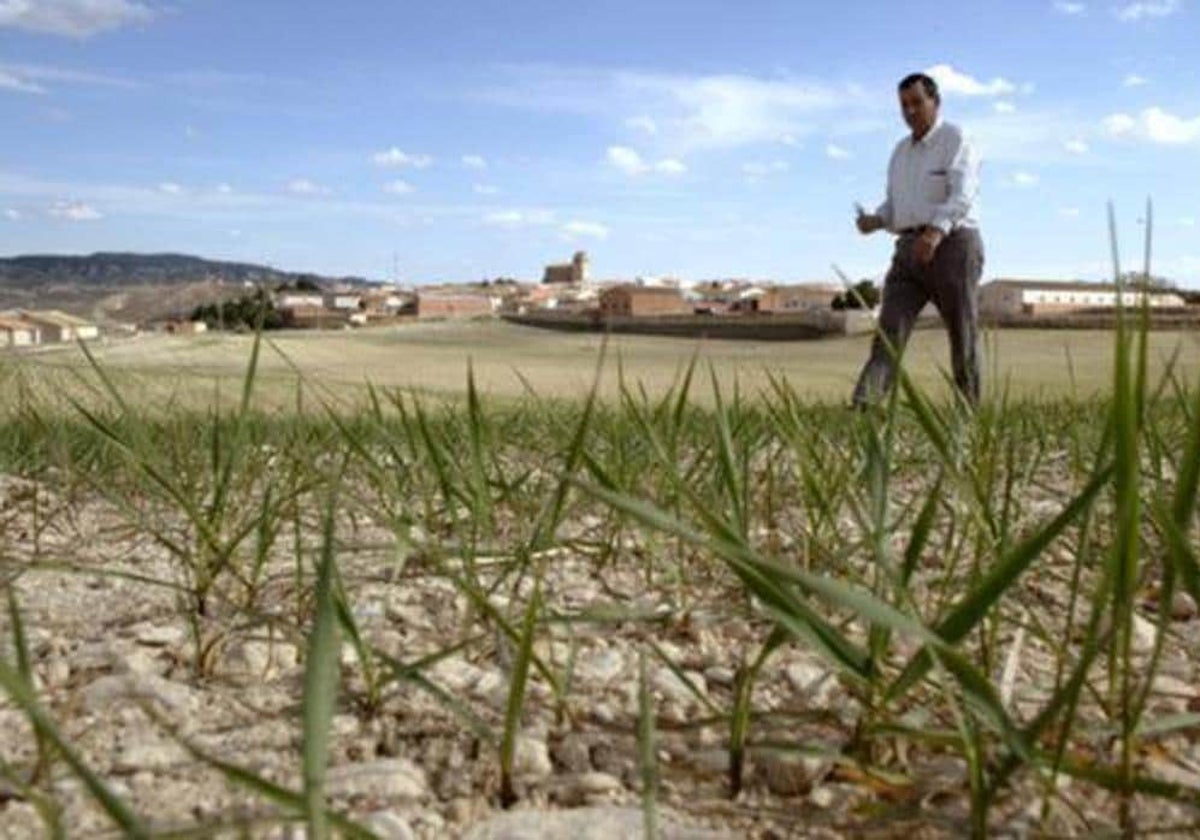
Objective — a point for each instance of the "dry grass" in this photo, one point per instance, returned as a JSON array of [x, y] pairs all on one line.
[[433, 357]]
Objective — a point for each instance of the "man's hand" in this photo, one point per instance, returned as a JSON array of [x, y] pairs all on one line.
[[926, 245], [868, 222]]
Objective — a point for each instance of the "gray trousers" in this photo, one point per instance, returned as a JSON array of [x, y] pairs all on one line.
[[951, 281]]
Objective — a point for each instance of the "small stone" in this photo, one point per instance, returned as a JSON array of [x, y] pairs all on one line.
[[388, 826], [158, 635], [393, 778], [571, 754], [155, 754], [1144, 634], [790, 774], [594, 782], [531, 759], [812, 681], [822, 797], [103, 694], [599, 667], [1183, 607], [673, 687], [719, 675], [257, 659]]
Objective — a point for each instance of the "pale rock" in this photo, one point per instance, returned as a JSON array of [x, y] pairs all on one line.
[[149, 754], [158, 635], [1183, 607], [815, 683], [392, 778], [822, 797], [789, 774], [674, 688], [531, 758], [599, 667], [409, 616], [257, 659], [1144, 633], [492, 686], [101, 695], [455, 674], [719, 675], [596, 823], [56, 672], [595, 782], [389, 826], [571, 753]]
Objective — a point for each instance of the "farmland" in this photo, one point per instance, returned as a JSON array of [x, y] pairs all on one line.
[[697, 605]]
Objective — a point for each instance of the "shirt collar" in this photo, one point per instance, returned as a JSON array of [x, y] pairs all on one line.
[[928, 134]]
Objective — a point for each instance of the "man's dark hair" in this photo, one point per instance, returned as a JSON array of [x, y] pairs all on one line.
[[931, 88]]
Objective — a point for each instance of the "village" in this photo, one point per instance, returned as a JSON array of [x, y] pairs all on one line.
[[568, 291]]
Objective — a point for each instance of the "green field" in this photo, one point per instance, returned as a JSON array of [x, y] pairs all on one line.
[[433, 357]]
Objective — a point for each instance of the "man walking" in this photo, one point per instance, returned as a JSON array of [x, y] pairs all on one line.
[[932, 185]]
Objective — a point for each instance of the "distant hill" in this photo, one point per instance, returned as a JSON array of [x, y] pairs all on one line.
[[121, 269], [136, 288]]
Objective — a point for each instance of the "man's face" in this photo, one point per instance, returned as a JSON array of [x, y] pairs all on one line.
[[919, 109]]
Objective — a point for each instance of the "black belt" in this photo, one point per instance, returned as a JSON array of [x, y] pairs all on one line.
[[915, 231]]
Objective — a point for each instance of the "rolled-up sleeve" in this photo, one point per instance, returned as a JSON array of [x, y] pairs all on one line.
[[962, 187]]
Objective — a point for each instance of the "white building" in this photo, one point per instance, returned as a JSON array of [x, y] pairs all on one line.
[[54, 325], [17, 333], [1039, 297]]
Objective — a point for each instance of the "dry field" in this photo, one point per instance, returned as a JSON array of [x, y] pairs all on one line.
[[433, 358], [697, 607]]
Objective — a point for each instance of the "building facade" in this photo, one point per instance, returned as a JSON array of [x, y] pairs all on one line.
[[1044, 297], [638, 301]]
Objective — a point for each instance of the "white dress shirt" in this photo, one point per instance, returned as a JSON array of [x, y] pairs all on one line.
[[932, 181]]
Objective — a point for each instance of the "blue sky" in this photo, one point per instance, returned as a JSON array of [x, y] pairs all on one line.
[[453, 141]]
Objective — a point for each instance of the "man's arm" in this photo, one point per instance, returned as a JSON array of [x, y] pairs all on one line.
[[963, 181]]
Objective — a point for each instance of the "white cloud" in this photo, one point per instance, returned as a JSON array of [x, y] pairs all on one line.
[[626, 160], [645, 124], [1004, 107], [1167, 128], [689, 112], [1187, 221], [484, 189], [1119, 124], [395, 157], [474, 162], [72, 18], [1134, 80], [1155, 125], [579, 230], [670, 166], [1076, 146], [1148, 9], [519, 218], [1024, 180], [303, 186], [790, 140], [1068, 212], [398, 187], [953, 81], [1067, 7], [14, 82], [224, 189], [75, 211], [13, 215], [170, 188], [836, 152], [631, 163]]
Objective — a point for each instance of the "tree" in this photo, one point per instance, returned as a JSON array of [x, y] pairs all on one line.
[[864, 292]]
